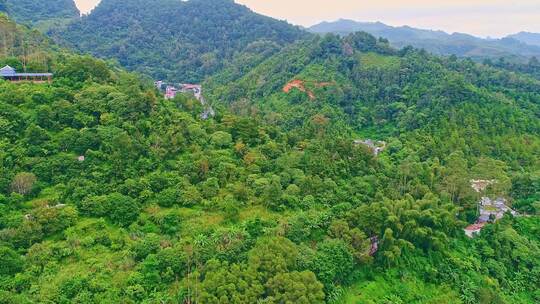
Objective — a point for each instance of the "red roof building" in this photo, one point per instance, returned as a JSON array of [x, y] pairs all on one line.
[[474, 229]]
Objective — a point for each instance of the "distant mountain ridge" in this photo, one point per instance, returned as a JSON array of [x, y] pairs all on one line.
[[526, 37], [174, 40], [439, 42]]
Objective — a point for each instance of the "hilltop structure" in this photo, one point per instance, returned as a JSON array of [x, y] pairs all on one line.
[[10, 74]]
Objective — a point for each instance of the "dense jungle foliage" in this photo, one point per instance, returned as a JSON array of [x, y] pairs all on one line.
[[39, 13], [532, 68], [111, 194], [23, 49], [173, 40]]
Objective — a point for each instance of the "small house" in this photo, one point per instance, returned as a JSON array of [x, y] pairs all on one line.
[[474, 230], [170, 92]]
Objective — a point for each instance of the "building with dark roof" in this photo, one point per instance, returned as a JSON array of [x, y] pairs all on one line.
[[10, 74]]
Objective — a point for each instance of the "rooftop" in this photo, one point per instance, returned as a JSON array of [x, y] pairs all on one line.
[[7, 71], [475, 227]]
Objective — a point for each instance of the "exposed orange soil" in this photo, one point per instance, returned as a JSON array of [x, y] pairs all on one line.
[[300, 85]]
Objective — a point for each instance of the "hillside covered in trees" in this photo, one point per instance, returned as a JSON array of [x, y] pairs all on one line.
[[384, 92], [111, 194], [23, 49], [445, 121], [517, 48], [40, 13], [174, 40]]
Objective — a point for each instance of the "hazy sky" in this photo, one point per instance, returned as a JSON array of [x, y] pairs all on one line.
[[493, 18]]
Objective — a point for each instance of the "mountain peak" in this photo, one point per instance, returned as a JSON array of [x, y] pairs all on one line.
[[171, 39]]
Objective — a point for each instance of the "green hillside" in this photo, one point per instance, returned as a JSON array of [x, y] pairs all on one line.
[[376, 89], [111, 194], [23, 49], [174, 40], [518, 48], [42, 14], [446, 121]]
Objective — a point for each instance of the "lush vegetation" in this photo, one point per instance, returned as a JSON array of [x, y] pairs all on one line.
[[173, 40], [111, 194], [22, 48], [531, 68], [516, 48], [40, 13], [418, 104]]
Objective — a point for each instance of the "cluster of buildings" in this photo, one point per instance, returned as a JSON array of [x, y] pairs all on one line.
[[489, 210], [171, 90], [10, 74]]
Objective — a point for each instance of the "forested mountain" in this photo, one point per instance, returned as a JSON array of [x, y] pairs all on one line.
[[528, 38], [445, 121], [40, 13], [438, 42], [174, 40], [111, 194]]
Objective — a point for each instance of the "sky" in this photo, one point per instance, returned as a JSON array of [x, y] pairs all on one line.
[[493, 18]]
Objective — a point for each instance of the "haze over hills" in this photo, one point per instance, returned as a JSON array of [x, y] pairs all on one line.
[[438, 42], [169, 39], [528, 38]]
